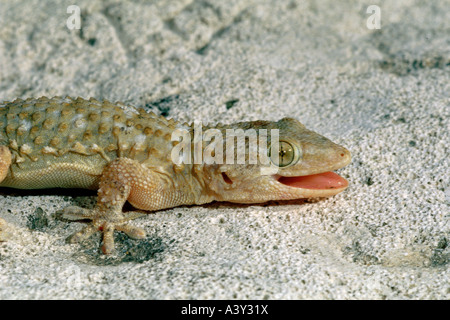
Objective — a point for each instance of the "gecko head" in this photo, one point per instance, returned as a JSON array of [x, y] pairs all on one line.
[[299, 166]]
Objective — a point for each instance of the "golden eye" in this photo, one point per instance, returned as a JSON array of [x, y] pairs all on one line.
[[286, 155]]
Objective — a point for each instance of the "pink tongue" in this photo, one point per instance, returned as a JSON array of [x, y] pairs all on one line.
[[326, 180]]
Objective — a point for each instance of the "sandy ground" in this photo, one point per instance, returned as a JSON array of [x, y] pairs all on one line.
[[384, 94]]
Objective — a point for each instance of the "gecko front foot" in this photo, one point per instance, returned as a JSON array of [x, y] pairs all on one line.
[[105, 222], [122, 180]]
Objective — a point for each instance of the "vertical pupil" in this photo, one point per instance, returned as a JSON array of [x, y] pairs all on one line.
[[285, 154]]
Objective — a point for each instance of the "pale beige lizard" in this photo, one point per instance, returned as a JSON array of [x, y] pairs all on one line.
[[125, 154]]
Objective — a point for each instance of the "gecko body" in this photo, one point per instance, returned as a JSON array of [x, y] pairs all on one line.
[[127, 155]]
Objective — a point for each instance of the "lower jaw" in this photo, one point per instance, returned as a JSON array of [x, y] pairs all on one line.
[[317, 185]]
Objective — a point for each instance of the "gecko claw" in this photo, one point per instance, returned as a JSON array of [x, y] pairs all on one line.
[[106, 226], [4, 232]]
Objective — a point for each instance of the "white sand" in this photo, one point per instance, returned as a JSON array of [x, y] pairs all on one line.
[[384, 94]]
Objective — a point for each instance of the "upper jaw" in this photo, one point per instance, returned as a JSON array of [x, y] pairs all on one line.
[[315, 163], [318, 181]]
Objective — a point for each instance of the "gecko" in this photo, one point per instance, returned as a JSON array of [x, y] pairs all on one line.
[[126, 154]]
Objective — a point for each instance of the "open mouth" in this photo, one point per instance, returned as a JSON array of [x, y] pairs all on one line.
[[320, 181]]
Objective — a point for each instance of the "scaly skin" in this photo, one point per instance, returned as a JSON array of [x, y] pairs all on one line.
[[125, 154]]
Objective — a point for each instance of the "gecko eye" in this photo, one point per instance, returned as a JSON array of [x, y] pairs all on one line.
[[287, 154]]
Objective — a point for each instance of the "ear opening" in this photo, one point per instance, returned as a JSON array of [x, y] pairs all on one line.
[[226, 178]]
